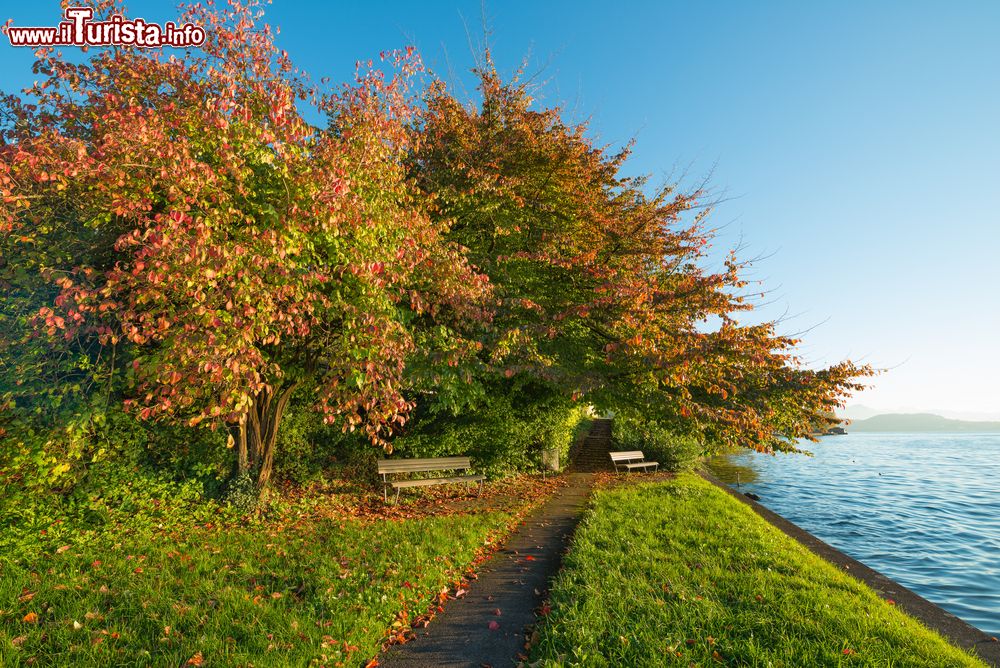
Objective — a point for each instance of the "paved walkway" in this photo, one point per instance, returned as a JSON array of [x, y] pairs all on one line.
[[513, 583]]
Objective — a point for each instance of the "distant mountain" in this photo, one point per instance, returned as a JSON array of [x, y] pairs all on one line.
[[919, 423], [862, 412]]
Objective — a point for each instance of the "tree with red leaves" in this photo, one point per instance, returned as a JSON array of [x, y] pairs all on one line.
[[195, 240]]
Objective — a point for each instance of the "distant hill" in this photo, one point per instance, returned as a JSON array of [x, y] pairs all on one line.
[[862, 412], [919, 423]]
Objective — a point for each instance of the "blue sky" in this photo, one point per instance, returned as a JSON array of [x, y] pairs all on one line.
[[857, 145]]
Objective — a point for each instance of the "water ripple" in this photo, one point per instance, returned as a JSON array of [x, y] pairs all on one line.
[[921, 508]]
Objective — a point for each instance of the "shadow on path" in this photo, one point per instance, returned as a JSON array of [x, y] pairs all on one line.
[[514, 583]]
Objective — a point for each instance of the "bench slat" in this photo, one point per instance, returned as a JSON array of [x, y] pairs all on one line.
[[641, 465], [425, 482]]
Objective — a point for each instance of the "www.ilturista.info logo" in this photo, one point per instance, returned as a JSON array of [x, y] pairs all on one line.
[[80, 30]]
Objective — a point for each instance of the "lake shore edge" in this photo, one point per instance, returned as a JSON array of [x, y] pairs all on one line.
[[958, 631]]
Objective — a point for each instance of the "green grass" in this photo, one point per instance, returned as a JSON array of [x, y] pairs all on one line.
[[679, 573], [319, 591]]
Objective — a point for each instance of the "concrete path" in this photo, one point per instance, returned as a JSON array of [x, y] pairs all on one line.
[[513, 583]]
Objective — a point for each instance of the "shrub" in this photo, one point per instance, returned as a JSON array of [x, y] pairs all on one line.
[[565, 431], [675, 451], [505, 432], [307, 447], [116, 496]]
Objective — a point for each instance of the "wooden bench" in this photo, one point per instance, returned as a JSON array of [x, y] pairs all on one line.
[[633, 459], [388, 467]]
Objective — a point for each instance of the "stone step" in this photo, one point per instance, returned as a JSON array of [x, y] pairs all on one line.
[[592, 455]]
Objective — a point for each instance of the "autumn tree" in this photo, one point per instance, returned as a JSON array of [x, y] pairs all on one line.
[[175, 231], [600, 286]]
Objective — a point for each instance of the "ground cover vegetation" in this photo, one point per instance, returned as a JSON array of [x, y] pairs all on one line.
[[679, 573], [151, 574]]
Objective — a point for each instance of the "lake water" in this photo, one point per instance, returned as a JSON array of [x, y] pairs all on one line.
[[923, 509]]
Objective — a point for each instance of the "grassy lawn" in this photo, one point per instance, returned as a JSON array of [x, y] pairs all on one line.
[[294, 590], [678, 573]]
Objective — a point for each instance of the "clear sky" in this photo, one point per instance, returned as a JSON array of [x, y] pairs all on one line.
[[857, 145]]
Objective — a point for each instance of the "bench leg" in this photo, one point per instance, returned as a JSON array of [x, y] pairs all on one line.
[[481, 487], [398, 490]]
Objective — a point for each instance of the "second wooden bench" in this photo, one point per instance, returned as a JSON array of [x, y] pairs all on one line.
[[633, 459]]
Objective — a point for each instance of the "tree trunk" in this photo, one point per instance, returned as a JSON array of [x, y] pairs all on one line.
[[257, 434], [242, 458]]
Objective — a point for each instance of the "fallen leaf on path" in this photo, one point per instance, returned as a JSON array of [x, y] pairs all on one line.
[[493, 626]]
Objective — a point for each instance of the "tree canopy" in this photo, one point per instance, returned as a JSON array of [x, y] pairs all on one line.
[[599, 279]]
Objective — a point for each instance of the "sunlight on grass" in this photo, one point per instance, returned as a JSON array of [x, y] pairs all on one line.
[[679, 573], [321, 591]]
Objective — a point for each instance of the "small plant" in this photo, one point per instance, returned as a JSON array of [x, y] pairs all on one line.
[[242, 494]]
